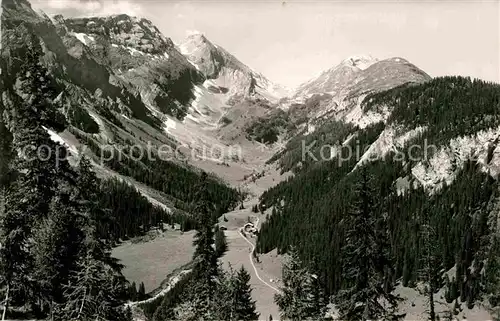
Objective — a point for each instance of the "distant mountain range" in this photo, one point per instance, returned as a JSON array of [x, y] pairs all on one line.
[[121, 81]]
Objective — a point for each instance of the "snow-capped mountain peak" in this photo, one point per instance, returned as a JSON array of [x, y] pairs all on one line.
[[225, 70]]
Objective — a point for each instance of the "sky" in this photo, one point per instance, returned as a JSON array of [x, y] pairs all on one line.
[[291, 42]]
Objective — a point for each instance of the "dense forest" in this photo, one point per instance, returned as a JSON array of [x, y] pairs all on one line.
[[447, 107], [54, 261], [176, 181], [311, 211], [131, 214]]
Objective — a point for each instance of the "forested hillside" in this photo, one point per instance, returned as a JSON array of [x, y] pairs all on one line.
[[392, 181], [314, 210], [58, 222]]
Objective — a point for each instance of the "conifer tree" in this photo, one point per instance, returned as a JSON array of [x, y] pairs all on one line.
[[365, 260], [205, 270], [220, 242], [142, 291], [58, 244], [5, 179], [31, 203], [431, 272], [233, 298], [296, 300], [133, 291], [97, 286], [244, 306], [490, 281], [96, 292]]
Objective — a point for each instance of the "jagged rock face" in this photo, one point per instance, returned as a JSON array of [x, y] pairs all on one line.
[[74, 67], [131, 32], [139, 55], [205, 55], [227, 72]]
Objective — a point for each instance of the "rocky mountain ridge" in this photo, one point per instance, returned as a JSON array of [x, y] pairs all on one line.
[[218, 65], [128, 76]]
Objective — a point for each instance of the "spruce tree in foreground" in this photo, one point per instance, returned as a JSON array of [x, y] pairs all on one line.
[[297, 300], [244, 306], [220, 242], [97, 289], [54, 263], [233, 297], [365, 261], [205, 270], [36, 203], [432, 270]]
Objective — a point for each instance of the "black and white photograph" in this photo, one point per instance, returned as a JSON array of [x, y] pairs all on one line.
[[250, 160]]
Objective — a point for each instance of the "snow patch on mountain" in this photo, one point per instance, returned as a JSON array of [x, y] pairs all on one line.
[[55, 137], [335, 79], [84, 38]]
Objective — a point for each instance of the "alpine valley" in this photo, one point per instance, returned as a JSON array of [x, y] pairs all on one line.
[[146, 180]]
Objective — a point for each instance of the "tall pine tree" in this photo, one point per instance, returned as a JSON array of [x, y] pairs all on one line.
[[205, 270], [244, 306], [97, 288], [365, 261], [298, 300], [432, 269], [40, 167]]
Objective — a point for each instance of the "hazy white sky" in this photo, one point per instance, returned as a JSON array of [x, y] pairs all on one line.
[[291, 42]]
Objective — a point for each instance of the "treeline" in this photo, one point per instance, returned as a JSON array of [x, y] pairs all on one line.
[[176, 181], [131, 214]]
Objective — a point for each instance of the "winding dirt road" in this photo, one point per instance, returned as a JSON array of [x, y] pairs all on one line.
[[251, 260]]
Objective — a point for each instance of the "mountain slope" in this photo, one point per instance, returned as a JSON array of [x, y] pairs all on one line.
[[117, 80], [139, 56], [334, 79], [227, 72], [433, 160], [346, 85]]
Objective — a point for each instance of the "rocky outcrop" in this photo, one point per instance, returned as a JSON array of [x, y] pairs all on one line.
[[227, 71]]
